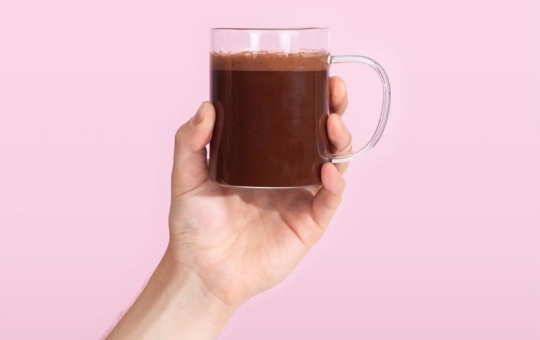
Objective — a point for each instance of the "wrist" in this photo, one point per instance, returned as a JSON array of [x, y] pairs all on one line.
[[174, 304], [189, 299]]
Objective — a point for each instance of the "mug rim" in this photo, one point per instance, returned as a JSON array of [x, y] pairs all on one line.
[[269, 29]]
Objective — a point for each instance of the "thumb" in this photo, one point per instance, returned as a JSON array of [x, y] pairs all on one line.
[[189, 168]]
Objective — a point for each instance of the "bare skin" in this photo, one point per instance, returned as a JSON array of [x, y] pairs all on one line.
[[227, 245]]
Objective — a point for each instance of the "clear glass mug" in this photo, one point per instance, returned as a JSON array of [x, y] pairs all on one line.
[[270, 91]]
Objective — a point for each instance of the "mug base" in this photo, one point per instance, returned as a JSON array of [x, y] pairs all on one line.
[[266, 188]]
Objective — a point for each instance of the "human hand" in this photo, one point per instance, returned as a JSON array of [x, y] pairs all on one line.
[[227, 244], [240, 242]]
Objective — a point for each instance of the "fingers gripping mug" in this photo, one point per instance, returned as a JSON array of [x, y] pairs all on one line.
[[270, 91]]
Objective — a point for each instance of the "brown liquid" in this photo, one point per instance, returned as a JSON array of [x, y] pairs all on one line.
[[271, 112]]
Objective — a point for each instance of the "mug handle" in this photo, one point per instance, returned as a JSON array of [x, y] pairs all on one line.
[[342, 158]]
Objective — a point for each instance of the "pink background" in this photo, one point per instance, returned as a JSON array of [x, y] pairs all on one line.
[[438, 236]]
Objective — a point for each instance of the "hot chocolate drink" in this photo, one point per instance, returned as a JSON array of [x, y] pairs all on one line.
[[271, 112]]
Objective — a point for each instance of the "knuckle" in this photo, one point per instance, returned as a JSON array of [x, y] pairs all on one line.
[[345, 144], [349, 143], [178, 135], [339, 87]]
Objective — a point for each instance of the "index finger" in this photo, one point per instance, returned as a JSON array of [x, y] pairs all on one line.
[[338, 96]]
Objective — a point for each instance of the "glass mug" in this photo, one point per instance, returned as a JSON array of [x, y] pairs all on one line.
[[270, 91]]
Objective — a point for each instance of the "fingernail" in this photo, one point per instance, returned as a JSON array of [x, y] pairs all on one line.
[[199, 116]]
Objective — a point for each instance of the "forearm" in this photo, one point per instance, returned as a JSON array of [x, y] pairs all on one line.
[[175, 304]]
